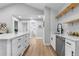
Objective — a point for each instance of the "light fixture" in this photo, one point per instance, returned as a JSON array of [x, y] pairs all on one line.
[[20, 16], [31, 18], [39, 16]]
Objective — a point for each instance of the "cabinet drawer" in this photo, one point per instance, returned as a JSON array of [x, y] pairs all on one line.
[[70, 43]]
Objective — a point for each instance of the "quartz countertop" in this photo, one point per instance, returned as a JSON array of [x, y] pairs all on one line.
[[69, 37], [11, 35]]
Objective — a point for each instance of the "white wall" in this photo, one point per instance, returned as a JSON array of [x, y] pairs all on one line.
[[47, 26], [53, 21], [40, 30], [17, 10]]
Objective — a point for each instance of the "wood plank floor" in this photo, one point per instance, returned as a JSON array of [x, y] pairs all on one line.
[[37, 48]]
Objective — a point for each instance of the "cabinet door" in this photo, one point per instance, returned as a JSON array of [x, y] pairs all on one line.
[[14, 47], [20, 44], [27, 39], [69, 51]]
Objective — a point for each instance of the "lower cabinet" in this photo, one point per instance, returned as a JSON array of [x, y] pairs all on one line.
[[69, 48], [14, 47], [19, 45], [69, 51]]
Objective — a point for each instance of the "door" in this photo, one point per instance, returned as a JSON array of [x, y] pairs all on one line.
[[40, 29], [36, 28], [25, 28]]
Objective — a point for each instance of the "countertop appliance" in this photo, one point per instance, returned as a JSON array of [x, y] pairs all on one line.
[[59, 28], [60, 46]]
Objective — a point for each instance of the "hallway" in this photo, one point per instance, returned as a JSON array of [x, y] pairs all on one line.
[[37, 48]]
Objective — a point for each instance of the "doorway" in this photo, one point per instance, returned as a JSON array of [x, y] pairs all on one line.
[[36, 29]]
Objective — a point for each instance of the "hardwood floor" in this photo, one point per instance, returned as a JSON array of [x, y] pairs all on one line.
[[37, 48]]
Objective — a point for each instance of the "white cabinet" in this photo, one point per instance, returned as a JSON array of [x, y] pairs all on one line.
[[14, 47], [13, 44], [69, 51], [53, 41], [19, 45], [3, 50], [69, 48]]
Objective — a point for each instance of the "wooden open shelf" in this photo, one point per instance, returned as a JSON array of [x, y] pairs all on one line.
[[66, 9], [72, 21]]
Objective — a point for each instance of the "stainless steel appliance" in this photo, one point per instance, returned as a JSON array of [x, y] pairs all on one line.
[[60, 46]]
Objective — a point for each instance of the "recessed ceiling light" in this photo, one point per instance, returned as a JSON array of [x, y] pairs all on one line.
[[20, 16], [31, 17], [39, 16]]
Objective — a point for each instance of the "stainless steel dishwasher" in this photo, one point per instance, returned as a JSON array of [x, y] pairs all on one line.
[[60, 46]]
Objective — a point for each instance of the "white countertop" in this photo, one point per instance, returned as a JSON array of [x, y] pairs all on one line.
[[10, 35], [73, 38]]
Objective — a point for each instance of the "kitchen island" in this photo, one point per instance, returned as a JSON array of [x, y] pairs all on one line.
[[12, 44]]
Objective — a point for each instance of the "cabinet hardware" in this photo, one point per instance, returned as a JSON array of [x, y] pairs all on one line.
[[51, 38], [26, 41], [72, 53], [68, 43], [19, 46], [19, 39], [20, 54]]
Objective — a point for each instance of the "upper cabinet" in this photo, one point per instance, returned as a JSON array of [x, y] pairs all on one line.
[[66, 9]]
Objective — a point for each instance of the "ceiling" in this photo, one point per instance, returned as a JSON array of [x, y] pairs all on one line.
[[2, 5], [55, 6]]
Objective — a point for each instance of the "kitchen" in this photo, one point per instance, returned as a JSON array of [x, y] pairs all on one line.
[[56, 24]]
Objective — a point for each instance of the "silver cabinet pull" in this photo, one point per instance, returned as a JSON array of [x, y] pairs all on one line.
[[25, 40], [51, 38], [19, 39], [19, 46], [68, 43]]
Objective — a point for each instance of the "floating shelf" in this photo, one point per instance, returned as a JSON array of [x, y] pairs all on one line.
[[66, 9], [72, 19]]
